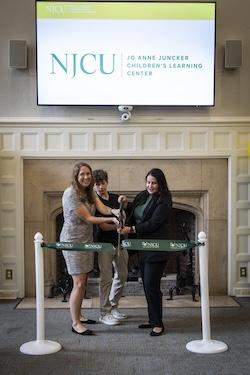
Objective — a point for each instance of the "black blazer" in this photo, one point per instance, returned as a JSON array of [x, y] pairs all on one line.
[[156, 223]]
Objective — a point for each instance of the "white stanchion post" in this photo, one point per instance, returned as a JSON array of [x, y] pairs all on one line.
[[206, 345], [40, 346]]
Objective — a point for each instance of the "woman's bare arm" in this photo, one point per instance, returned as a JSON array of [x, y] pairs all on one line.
[[84, 213]]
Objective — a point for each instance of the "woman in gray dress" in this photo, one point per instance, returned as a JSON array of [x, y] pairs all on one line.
[[79, 203]]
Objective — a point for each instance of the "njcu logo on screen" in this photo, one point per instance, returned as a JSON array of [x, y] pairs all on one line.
[[73, 64]]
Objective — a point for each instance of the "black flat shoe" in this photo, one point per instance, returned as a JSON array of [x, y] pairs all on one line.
[[88, 321], [88, 332], [146, 325], [153, 333]]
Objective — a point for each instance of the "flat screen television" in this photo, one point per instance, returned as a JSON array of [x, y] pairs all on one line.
[[125, 53]]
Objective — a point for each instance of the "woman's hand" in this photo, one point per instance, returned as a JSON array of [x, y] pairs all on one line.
[[125, 230]]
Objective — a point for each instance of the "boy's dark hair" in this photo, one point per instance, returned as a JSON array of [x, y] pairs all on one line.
[[100, 175]]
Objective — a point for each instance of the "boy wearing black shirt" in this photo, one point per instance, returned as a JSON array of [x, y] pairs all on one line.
[[111, 287]]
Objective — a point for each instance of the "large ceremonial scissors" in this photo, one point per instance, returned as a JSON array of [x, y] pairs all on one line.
[[121, 218]]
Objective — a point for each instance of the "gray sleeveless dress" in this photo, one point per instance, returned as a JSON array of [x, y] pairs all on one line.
[[76, 229]]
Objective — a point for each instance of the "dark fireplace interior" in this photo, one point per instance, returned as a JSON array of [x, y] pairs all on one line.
[[180, 264]]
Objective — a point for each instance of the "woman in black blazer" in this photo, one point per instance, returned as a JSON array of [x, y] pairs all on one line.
[[150, 218]]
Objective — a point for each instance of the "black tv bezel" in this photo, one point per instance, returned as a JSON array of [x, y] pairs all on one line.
[[139, 105]]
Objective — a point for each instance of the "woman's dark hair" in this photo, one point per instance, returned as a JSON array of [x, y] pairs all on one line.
[[161, 179], [78, 188]]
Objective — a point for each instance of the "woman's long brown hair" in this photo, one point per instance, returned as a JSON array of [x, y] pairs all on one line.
[[86, 194]]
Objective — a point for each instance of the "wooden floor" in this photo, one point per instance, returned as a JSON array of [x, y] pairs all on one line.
[[131, 302]]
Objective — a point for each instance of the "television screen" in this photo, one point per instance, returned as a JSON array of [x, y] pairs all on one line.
[[125, 53]]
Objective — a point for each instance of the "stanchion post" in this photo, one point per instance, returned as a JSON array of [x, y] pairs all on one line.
[[204, 287], [206, 345], [40, 346], [39, 266]]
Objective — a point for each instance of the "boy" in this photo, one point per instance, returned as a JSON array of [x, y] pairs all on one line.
[[110, 287]]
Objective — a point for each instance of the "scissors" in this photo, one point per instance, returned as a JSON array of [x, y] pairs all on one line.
[[121, 219]]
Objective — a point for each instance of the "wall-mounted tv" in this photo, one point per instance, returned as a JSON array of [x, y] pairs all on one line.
[[136, 53]]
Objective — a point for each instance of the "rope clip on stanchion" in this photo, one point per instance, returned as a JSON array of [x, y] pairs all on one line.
[[206, 345]]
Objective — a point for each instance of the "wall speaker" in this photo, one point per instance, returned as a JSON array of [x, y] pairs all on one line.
[[233, 54], [18, 54]]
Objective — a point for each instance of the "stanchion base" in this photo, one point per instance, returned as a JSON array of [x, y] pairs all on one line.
[[206, 346], [40, 347]]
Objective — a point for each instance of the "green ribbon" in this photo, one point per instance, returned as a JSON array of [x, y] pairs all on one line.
[[158, 245], [147, 244], [79, 246]]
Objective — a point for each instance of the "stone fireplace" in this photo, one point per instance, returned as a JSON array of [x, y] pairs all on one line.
[[197, 185]]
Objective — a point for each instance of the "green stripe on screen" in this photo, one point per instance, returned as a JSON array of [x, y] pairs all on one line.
[[128, 11]]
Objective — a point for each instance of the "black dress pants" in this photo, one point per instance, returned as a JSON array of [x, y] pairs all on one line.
[[151, 274]]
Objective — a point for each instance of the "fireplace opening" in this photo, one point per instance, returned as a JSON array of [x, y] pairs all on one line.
[[180, 265]]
